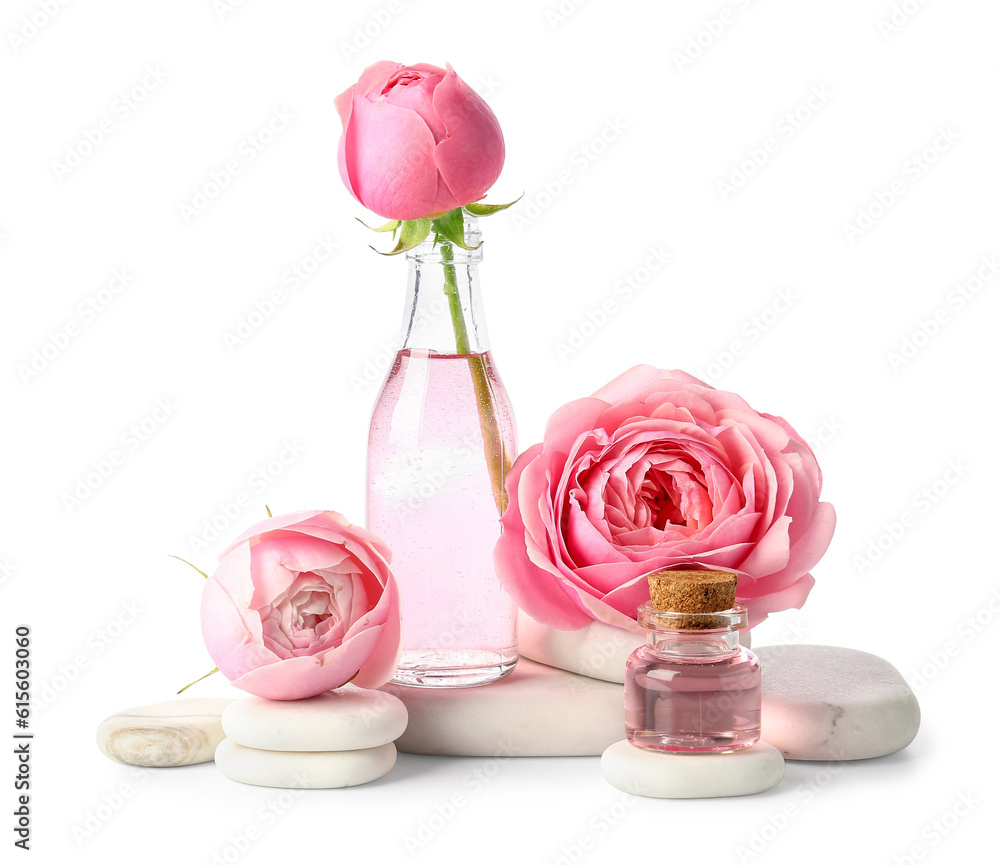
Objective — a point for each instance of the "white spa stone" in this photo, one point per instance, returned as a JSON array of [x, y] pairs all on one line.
[[347, 719], [536, 711], [596, 650], [308, 770], [830, 703], [175, 733], [665, 775]]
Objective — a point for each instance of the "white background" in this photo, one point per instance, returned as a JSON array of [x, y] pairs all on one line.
[[907, 444]]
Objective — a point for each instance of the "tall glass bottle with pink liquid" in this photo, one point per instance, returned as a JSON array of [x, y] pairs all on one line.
[[442, 437]]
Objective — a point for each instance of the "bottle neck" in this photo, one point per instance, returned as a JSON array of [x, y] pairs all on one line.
[[444, 310], [693, 644], [693, 635]]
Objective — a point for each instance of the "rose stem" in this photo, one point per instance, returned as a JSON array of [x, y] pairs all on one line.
[[497, 459]]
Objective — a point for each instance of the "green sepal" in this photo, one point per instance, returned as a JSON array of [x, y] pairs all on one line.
[[477, 209], [451, 226], [412, 233], [391, 225]]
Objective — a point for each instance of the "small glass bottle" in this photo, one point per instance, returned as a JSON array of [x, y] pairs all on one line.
[[692, 687]]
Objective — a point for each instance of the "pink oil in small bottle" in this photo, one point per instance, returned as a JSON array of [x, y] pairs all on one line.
[[692, 687]]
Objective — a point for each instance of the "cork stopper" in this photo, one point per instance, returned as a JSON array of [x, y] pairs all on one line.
[[693, 591]]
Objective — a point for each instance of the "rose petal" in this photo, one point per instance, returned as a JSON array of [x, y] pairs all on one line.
[[531, 587], [389, 160], [471, 155]]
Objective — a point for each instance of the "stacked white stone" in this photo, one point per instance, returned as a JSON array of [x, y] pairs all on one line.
[[342, 738]]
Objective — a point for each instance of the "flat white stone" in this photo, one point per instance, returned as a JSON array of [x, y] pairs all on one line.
[[347, 719], [830, 703], [596, 650], [307, 770], [174, 733], [665, 775], [536, 711]]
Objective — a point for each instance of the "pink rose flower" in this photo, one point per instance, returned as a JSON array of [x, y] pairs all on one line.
[[658, 470], [417, 141], [300, 604]]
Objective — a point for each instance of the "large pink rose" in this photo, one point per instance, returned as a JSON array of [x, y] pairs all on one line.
[[417, 141], [301, 604], [658, 470]]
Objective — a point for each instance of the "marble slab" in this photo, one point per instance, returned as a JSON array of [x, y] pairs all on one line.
[[536, 711]]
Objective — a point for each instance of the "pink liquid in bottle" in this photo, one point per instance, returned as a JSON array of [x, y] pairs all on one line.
[[430, 497], [691, 703]]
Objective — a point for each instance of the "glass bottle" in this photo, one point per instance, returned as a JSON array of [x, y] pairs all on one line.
[[442, 436], [692, 687]]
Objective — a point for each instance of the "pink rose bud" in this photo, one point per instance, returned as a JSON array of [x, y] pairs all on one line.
[[417, 141], [658, 470], [300, 604]]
